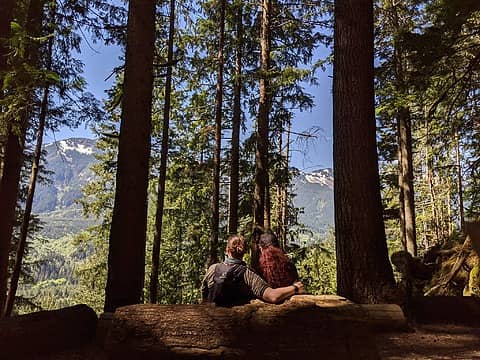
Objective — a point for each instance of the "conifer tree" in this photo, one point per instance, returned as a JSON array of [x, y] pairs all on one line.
[[126, 258], [157, 237], [364, 273], [17, 126]]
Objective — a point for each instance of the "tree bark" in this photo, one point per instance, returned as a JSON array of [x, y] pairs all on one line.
[[299, 329], [126, 258], [406, 180], [364, 273], [157, 237], [236, 120]]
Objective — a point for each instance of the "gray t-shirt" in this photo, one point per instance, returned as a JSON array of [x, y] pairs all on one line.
[[255, 283]]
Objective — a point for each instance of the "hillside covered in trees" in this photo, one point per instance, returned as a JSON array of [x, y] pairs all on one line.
[[195, 143]]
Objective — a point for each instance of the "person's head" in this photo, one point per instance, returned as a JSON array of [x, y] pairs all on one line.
[[235, 247], [268, 239]]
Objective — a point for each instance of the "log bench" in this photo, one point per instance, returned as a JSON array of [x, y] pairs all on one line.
[[305, 327]]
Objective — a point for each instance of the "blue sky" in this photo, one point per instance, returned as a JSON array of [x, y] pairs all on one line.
[[99, 61]]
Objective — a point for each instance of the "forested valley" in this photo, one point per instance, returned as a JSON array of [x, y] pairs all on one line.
[[194, 143]]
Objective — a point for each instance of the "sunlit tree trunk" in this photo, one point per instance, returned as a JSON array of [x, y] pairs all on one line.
[[126, 257], [364, 273], [157, 237]]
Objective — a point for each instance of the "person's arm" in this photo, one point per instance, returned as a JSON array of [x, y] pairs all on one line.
[[262, 291], [206, 282], [277, 295]]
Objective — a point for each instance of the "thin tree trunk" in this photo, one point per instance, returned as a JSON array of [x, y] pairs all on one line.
[[28, 206], [237, 113], [267, 213], [458, 163], [157, 237], [433, 201], [213, 257], [126, 258], [285, 186], [406, 180], [364, 273], [405, 162], [401, 193], [261, 151], [279, 190]]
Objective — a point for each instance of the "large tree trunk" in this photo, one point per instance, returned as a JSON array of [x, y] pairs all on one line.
[[13, 156], [364, 273], [303, 328], [213, 257], [236, 120], [157, 237], [46, 332], [261, 152], [126, 258]]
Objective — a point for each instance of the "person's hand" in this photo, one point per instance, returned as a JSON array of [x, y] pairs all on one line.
[[299, 285]]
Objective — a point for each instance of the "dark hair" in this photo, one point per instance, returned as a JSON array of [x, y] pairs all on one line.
[[236, 246], [268, 239]]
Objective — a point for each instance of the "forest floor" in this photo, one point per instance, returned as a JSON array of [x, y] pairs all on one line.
[[436, 341]]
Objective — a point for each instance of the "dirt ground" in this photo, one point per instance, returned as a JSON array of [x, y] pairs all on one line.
[[439, 341]]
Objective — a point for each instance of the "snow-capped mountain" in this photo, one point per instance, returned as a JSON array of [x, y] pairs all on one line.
[[324, 177], [314, 195], [70, 161], [69, 164]]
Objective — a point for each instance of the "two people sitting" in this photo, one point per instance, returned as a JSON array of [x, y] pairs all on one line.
[[231, 282]]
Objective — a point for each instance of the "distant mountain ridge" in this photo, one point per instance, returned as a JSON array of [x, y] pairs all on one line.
[[314, 195], [70, 160]]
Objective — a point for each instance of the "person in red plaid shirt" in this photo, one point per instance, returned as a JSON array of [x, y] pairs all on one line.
[[275, 266]]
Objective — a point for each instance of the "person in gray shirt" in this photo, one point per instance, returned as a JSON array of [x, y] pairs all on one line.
[[231, 282]]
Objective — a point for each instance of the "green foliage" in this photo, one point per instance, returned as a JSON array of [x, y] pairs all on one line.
[[316, 265], [53, 263], [427, 56]]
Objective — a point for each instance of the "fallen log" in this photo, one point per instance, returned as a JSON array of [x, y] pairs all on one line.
[[45, 332], [299, 328]]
